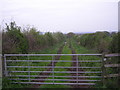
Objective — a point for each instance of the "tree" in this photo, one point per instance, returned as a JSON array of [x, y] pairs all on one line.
[[114, 46], [13, 40], [49, 39], [70, 34], [58, 36], [98, 41]]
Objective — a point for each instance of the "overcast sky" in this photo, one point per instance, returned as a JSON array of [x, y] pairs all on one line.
[[62, 15]]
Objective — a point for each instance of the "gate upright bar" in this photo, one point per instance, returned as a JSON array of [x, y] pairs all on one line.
[[29, 67], [53, 68], [77, 67]]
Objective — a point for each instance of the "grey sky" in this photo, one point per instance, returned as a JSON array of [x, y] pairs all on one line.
[[62, 15]]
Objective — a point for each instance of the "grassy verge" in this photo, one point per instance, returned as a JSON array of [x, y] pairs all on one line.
[[81, 50]]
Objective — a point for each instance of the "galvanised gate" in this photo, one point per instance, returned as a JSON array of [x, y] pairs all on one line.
[[45, 69]]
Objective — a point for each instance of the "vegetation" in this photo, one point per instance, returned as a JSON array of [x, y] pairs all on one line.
[[7, 83], [99, 41], [29, 40], [115, 42], [66, 50], [13, 40], [82, 50], [16, 40], [109, 44]]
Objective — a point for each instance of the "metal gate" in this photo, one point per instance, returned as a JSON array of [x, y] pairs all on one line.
[[46, 69]]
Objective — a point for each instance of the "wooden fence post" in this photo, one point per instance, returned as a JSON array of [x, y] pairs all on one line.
[[5, 66], [103, 70], [118, 71]]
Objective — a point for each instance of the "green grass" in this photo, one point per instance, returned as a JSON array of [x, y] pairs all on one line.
[[82, 50], [110, 82], [7, 82], [66, 50]]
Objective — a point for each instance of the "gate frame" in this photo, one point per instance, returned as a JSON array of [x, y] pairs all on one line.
[[53, 55]]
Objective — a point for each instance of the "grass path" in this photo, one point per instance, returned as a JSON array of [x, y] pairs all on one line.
[[49, 69], [74, 64], [66, 50], [73, 48]]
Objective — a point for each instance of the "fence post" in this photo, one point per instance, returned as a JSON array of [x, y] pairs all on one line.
[[5, 63], [103, 70], [118, 71]]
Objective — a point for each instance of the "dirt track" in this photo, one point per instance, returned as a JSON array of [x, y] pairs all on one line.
[[49, 69], [74, 64]]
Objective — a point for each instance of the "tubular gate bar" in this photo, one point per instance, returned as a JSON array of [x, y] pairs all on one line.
[[27, 74]]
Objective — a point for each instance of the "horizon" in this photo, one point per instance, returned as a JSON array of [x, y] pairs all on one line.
[[82, 32]]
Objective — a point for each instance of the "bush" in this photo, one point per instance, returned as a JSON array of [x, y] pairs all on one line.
[[98, 41], [13, 40], [114, 46], [30, 40]]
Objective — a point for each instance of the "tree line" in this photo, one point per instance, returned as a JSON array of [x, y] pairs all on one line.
[[99, 41], [18, 40]]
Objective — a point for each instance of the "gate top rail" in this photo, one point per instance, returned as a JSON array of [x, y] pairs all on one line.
[[52, 54], [112, 55]]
